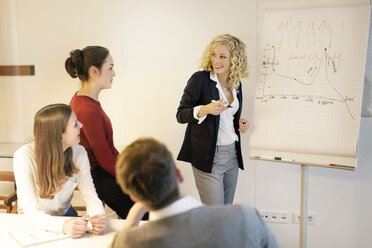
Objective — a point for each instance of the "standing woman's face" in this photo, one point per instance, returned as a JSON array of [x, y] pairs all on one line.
[[107, 73], [71, 136], [221, 60]]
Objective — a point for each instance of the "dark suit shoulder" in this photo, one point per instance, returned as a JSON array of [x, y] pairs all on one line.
[[200, 76]]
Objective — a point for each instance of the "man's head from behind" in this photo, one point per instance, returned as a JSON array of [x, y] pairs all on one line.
[[145, 170]]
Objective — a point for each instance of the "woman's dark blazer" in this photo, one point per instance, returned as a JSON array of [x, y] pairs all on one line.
[[199, 144]]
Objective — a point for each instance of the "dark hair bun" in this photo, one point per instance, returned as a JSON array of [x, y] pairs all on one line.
[[79, 62], [74, 63]]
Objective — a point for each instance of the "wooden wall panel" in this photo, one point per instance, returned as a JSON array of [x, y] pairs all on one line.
[[17, 70]]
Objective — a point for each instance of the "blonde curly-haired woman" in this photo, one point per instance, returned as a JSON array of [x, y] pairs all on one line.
[[211, 105]]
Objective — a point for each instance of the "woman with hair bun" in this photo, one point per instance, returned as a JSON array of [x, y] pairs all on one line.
[[211, 105], [94, 66]]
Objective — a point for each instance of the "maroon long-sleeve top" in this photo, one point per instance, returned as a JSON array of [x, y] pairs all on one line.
[[96, 135]]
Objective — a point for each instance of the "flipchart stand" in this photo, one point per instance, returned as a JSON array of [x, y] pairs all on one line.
[[303, 212]]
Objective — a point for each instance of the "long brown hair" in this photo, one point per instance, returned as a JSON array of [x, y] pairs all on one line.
[[53, 164]]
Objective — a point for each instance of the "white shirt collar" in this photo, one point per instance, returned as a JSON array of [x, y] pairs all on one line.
[[183, 204], [213, 76]]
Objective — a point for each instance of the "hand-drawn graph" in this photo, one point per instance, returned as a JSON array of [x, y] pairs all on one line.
[[309, 85], [270, 74]]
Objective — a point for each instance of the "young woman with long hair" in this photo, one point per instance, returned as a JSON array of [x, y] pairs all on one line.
[[48, 170]]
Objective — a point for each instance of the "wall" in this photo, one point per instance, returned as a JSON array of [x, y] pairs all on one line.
[[156, 46], [162, 46], [341, 199]]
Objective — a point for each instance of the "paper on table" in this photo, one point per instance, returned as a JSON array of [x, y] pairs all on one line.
[[32, 236]]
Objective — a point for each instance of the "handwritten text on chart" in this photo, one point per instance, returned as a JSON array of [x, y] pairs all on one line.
[[298, 35]]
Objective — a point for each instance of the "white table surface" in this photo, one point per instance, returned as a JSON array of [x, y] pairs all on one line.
[[9, 222]]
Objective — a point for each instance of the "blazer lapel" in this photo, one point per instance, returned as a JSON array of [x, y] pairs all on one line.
[[215, 95], [240, 99], [214, 91]]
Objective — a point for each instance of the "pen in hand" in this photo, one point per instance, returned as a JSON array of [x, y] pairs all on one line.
[[89, 224], [105, 215]]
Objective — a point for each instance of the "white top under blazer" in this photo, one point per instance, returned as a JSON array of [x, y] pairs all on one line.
[[226, 133]]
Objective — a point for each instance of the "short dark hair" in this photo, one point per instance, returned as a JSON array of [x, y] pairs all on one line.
[[79, 62], [145, 169]]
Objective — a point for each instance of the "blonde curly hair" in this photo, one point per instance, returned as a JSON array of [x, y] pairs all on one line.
[[239, 67]]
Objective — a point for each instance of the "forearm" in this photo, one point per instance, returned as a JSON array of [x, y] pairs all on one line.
[[88, 192], [135, 215], [185, 114], [189, 100], [203, 111]]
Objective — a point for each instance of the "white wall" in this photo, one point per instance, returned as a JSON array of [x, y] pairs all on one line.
[[156, 46], [163, 42], [341, 199]]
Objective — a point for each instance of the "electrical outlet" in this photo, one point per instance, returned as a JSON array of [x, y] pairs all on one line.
[[284, 218], [265, 216], [296, 218], [276, 217], [273, 217], [311, 218]]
